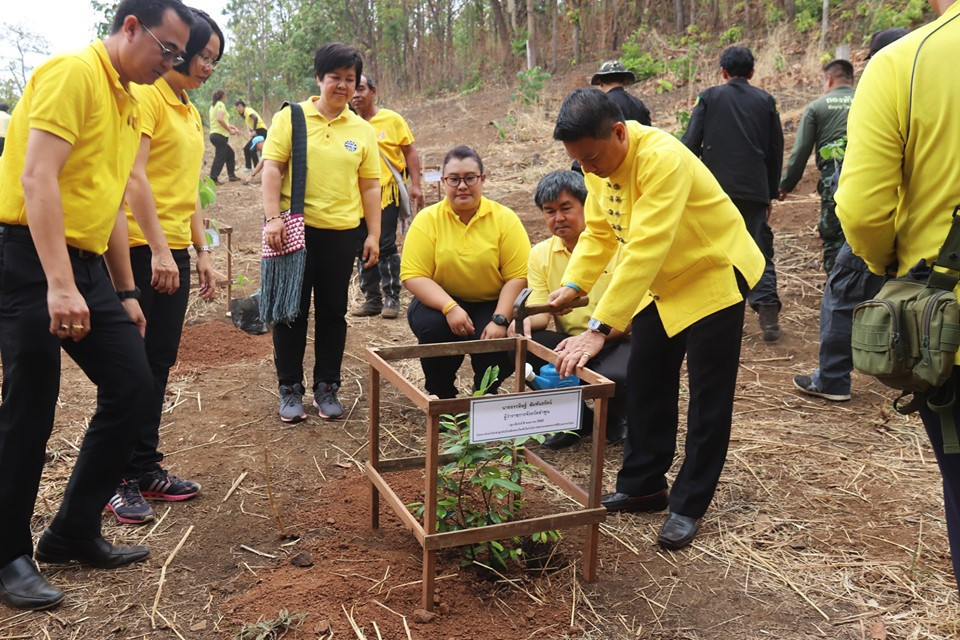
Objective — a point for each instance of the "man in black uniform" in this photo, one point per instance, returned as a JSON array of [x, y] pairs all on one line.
[[611, 79], [735, 129]]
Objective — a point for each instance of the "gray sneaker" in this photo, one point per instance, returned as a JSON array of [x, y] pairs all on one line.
[[325, 399], [291, 403], [391, 308]]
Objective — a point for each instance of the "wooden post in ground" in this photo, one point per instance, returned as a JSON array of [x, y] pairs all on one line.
[[374, 445], [430, 509], [596, 487]]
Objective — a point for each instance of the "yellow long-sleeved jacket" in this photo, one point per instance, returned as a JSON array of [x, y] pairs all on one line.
[[677, 233], [901, 175]]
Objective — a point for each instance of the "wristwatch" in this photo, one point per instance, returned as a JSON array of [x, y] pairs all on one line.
[[598, 327], [500, 320], [203, 249], [132, 294]]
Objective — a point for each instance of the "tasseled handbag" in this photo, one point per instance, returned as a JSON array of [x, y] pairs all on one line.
[[281, 272]]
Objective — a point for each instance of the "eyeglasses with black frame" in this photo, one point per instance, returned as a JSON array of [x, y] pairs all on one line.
[[454, 181], [167, 54]]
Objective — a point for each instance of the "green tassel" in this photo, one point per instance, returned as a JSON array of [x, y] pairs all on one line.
[[281, 283]]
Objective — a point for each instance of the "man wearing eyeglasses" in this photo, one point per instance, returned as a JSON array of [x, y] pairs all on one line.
[[73, 139]]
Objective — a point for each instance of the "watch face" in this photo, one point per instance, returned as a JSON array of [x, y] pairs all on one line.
[[500, 319]]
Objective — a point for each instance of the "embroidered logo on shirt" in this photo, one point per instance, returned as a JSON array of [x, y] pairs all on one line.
[[350, 145]]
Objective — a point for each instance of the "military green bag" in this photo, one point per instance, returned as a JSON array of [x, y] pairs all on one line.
[[908, 335]]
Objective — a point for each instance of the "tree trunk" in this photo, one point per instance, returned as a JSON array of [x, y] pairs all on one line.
[[503, 30], [554, 23], [512, 9], [825, 25], [790, 8], [531, 36], [678, 7]]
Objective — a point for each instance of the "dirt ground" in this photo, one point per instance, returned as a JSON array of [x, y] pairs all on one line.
[[828, 521]]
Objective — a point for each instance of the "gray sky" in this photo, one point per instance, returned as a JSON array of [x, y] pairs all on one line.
[[68, 24]]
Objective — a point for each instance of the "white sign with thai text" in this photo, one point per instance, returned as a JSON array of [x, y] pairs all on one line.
[[493, 418]]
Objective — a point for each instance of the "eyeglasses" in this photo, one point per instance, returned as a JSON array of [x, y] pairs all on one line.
[[170, 56], [208, 62], [454, 181]]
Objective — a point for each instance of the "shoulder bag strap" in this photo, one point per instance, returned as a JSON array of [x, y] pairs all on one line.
[[948, 258], [298, 152]]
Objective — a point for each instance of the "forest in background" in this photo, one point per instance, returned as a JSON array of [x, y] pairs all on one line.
[[432, 47]]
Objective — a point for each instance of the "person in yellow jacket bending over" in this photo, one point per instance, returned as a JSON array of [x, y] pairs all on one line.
[[901, 180], [684, 265]]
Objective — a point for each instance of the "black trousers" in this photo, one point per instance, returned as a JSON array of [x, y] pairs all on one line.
[[112, 356], [250, 156], [755, 216], [327, 275], [712, 347], [165, 314], [222, 156], [440, 374], [383, 278], [611, 362], [950, 472]]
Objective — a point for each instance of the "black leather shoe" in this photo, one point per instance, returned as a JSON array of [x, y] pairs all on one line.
[[625, 502], [563, 439], [56, 549], [22, 586], [617, 430], [678, 531]]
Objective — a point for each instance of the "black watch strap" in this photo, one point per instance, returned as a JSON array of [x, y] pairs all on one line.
[[131, 294], [500, 320]]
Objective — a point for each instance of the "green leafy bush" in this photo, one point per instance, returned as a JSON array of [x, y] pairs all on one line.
[[731, 35], [481, 487], [531, 84], [642, 64]]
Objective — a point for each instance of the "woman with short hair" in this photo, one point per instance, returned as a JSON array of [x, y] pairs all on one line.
[[465, 262]]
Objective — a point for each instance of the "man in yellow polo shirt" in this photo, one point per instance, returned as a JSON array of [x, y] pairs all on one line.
[[560, 195], [397, 154], [900, 183], [73, 139], [686, 263], [256, 127]]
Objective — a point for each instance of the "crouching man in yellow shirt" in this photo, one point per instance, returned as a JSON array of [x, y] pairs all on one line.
[[73, 139], [686, 262], [560, 195]]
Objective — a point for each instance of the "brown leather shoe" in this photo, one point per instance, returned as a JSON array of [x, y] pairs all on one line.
[[626, 503]]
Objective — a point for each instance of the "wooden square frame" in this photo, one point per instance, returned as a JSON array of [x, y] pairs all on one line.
[[591, 513]]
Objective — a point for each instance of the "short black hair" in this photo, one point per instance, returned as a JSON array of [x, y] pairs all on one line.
[[218, 95], [840, 69], [461, 153], [586, 113], [201, 29], [4, 106], [555, 183], [737, 61], [882, 38], [336, 55], [149, 12], [240, 103], [371, 83]]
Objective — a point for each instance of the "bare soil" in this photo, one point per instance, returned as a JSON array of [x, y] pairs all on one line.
[[828, 521]]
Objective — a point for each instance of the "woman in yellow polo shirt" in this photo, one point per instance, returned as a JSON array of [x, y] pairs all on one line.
[[343, 181], [164, 218], [220, 130], [465, 262]]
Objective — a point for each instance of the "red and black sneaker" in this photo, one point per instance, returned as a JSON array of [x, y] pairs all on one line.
[[160, 485], [129, 506]]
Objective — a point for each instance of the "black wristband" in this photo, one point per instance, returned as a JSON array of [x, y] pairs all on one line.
[[132, 294]]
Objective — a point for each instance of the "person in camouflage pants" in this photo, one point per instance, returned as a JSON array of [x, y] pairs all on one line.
[[824, 121]]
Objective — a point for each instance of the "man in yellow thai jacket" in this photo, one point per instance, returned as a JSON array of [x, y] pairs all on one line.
[[901, 179], [686, 264]]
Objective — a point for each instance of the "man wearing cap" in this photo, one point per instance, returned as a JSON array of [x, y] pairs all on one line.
[[255, 145], [849, 283], [735, 129], [612, 77]]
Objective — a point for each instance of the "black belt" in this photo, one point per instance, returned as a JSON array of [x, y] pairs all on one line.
[[21, 233]]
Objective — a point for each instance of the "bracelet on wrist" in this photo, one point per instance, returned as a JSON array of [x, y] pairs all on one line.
[[447, 308], [572, 286], [276, 217]]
